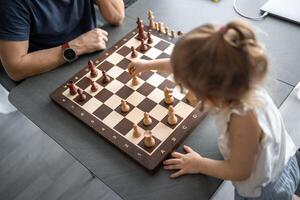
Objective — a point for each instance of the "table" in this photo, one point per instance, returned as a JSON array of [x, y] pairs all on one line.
[[115, 169]]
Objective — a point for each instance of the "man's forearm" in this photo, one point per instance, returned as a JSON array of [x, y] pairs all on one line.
[[112, 11]]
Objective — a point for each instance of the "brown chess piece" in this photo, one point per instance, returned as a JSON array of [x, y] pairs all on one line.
[[136, 132], [149, 140], [94, 87], [133, 52], [105, 78], [140, 29], [72, 88], [82, 96], [172, 119], [143, 46], [150, 40], [92, 69]]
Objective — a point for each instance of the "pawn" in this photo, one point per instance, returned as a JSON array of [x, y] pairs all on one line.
[[82, 97], [147, 119], [150, 40], [135, 81], [133, 52], [169, 99], [136, 132], [156, 26], [94, 87], [92, 69], [143, 46], [172, 119], [124, 106], [149, 141], [72, 88], [166, 30], [179, 33], [105, 78], [173, 34]]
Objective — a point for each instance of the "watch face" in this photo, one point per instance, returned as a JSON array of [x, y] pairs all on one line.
[[69, 55]]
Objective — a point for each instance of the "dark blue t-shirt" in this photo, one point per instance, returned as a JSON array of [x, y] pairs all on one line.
[[45, 23]]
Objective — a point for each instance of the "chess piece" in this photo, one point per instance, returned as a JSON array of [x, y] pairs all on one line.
[[150, 40], [156, 26], [191, 98], [124, 106], [72, 88], [149, 140], [133, 52], [136, 132], [151, 20], [147, 119], [159, 27], [140, 29], [172, 33], [135, 81], [169, 99], [167, 31], [105, 78], [82, 97], [94, 87], [143, 46], [179, 33], [92, 69], [172, 119]]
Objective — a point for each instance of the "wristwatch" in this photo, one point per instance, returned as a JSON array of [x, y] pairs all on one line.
[[69, 54]]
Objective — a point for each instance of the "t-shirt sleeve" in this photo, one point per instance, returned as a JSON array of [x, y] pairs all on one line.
[[14, 20]]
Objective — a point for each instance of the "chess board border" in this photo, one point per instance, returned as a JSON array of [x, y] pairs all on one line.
[[150, 162]]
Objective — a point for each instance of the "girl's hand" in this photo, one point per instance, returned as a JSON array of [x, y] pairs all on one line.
[[137, 66], [188, 163]]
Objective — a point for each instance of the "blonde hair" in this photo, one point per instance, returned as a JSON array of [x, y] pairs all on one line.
[[223, 63]]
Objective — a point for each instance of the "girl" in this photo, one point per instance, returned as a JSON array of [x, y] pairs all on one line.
[[224, 68]]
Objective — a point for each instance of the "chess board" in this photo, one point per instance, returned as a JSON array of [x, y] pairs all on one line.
[[101, 110]]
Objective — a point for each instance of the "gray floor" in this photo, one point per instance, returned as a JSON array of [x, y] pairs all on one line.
[[33, 166]]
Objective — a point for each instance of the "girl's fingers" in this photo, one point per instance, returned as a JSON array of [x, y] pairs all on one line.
[[172, 162], [177, 155], [177, 174], [187, 149], [172, 167]]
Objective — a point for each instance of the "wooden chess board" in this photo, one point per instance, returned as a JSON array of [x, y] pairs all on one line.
[[101, 109]]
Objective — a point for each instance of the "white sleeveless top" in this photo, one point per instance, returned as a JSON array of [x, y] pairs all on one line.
[[275, 149]]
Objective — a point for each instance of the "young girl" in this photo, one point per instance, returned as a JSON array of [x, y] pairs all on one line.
[[224, 67]]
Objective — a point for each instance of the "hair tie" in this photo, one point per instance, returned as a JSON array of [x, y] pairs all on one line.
[[223, 30]]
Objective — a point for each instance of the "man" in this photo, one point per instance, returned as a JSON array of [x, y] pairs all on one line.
[[37, 36]]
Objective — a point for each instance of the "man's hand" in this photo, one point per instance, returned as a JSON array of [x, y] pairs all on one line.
[[89, 42], [188, 163]]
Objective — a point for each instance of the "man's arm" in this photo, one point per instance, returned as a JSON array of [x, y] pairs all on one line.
[[20, 64], [112, 11]]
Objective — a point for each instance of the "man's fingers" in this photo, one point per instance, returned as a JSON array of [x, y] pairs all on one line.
[[187, 149], [177, 155], [177, 174], [172, 167], [101, 31], [172, 162]]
